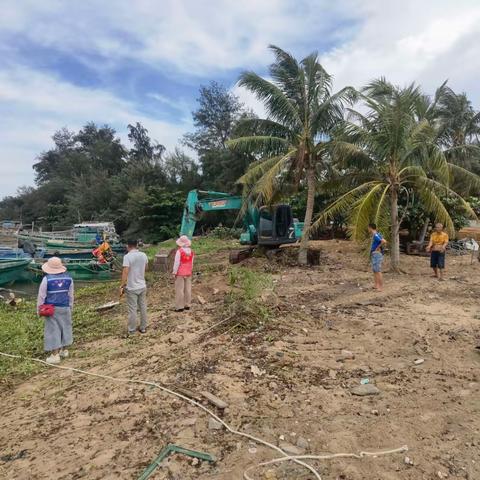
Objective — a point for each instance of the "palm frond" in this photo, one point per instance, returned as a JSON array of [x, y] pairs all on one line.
[[277, 104], [469, 180], [265, 187], [256, 170], [364, 211], [263, 127], [258, 144], [344, 203], [435, 207]]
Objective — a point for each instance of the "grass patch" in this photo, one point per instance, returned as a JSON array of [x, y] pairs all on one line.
[[21, 331], [200, 245], [244, 306]]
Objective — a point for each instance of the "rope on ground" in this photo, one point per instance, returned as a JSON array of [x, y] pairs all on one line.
[[171, 392], [332, 456], [285, 457]]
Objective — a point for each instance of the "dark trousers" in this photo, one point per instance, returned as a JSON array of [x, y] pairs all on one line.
[[437, 260]]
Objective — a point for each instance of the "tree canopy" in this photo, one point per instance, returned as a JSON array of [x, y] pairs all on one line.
[[388, 154]]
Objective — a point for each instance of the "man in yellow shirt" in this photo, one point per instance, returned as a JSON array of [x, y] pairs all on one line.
[[437, 247]]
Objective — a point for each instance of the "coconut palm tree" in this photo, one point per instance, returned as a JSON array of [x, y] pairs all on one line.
[[291, 143], [459, 129], [389, 152]]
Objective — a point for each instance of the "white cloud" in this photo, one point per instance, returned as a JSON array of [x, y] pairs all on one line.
[[249, 101], [34, 105], [189, 36], [426, 42]]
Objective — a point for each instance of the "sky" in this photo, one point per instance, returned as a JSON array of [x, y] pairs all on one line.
[[66, 63]]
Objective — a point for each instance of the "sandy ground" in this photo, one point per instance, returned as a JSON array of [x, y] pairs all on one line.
[[61, 425]]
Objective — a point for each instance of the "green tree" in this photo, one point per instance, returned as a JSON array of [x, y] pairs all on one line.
[[144, 151], [181, 171], [216, 121], [391, 151], [293, 143]]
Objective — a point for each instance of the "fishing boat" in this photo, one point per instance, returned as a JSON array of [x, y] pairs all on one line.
[[73, 253], [13, 269], [73, 243], [82, 269], [79, 235], [11, 253]]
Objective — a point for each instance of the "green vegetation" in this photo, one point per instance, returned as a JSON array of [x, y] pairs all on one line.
[[395, 150], [385, 154], [201, 245], [91, 174], [244, 307], [21, 331], [293, 142]]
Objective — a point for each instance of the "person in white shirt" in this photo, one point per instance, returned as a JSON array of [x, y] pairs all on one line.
[[134, 286]]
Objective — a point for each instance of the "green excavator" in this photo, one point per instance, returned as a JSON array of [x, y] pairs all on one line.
[[268, 226]]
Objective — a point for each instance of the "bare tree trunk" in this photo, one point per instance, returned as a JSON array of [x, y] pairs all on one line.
[[423, 232], [302, 254], [395, 240]]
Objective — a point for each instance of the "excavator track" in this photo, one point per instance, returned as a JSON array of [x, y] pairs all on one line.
[[237, 256]]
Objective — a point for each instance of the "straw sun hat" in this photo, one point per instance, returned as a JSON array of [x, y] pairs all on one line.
[[184, 241], [54, 265]]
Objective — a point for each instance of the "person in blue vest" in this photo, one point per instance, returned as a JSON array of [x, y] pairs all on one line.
[[56, 292]]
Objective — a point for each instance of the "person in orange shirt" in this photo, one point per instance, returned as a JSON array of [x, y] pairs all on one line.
[[437, 247]]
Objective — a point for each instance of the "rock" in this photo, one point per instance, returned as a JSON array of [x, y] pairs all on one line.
[[442, 475], [363, 390], [256, 371], [408, 461], [345, 355], [270, 475], [273, 385], [201, 300], [215, 291], [175, 338], [419, 361], [291, 449], [302, 443], [214, 424], [332, 374], [374, 412]]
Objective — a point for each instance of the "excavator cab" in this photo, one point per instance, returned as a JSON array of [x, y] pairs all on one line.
[[276, 226]]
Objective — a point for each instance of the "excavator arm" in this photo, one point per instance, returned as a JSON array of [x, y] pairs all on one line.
[[199, 201]]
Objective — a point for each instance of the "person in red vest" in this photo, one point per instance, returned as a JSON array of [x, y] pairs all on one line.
[[182, 271]]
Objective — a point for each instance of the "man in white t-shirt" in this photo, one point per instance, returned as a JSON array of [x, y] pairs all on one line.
[[134, 286]]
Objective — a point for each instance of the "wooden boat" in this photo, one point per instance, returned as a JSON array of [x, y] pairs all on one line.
[[73, 253], [13, 269], [12, 253], [78, 269]]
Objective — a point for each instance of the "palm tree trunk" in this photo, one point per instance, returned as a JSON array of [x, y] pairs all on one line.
[[302, 254], [395, 233]]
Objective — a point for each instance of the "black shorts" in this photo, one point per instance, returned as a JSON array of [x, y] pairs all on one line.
[[437, 259]]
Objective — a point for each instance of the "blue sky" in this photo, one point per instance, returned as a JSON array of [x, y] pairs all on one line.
[[118, 62]]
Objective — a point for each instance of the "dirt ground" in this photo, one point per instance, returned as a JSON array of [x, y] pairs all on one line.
[[62, 425]]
